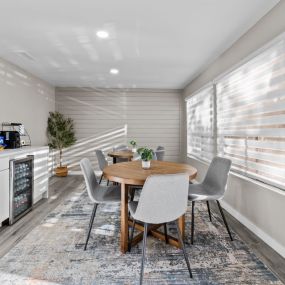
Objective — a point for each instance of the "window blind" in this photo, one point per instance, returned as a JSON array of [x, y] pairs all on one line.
[[251, 116], [200, 124]]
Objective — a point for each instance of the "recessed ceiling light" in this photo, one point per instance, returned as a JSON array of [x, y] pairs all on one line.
[[114, 71], [102, 34]]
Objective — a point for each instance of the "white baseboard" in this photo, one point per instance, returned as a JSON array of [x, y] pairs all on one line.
[[256, 230]]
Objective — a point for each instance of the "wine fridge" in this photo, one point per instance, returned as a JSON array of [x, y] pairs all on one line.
[[21, 187]]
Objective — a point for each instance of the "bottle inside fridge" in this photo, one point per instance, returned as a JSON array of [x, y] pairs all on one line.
[[21, 187]]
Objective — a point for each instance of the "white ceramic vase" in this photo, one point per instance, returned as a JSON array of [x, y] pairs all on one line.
[[145, 164], [134, 149]]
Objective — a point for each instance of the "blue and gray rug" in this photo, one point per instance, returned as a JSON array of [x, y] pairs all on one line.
[[53, 253]]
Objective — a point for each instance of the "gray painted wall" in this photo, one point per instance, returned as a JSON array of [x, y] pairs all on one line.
[[259, 207], [26, 99], [104, 118]]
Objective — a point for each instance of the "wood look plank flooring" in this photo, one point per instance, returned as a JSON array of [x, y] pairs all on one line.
[[264, 252], [61, 188]]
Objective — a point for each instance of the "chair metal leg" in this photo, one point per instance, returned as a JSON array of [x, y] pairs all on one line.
[[165, 233], [224, 219], [133, 190], [132, 195], [91, 224], [108, 182], [192, 223], [209, 211], [101, 179], [143, 252], [183, 248], [132, 235]]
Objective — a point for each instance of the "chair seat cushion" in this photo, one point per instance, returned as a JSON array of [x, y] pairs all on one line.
[[198, 192], [108, 194]]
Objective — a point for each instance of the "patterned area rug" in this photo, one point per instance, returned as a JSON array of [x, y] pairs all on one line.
[[53, 253]]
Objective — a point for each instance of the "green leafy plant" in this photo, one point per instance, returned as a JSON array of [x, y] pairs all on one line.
[[133, 143], [145, 153], [60, 132]]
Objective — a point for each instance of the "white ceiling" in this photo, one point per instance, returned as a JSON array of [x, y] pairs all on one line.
[[154, 43]]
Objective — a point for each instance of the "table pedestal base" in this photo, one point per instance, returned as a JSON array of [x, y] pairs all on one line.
[[153, 231]]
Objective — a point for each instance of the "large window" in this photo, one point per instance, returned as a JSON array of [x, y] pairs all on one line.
[[250, 116], [200, 124]]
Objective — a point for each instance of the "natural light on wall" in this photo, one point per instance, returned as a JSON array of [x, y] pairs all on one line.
[[200, 124], [242, 117]]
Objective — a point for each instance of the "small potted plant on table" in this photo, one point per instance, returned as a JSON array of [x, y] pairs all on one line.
[[60, 134], [146, 156], [133, 143]]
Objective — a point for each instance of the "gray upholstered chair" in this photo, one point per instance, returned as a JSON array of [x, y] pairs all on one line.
[[163, 199], [120, 147], [160, 152], [102, 161], [136, 156], [98, 194], [154, 156], [212, 188], [133, 189]]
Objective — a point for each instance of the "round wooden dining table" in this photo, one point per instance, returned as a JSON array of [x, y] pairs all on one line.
[[131, 173], [127, 154]]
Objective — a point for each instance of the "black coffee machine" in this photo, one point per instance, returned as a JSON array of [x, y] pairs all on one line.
[[11, 139]]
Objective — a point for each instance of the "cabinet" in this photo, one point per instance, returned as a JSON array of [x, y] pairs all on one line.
[[4, 195], [40, 180]]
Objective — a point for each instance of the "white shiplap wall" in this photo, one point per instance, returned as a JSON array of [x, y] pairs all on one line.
[[104, 118]]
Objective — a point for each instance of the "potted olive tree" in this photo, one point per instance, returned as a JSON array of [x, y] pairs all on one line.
[[133, 143], [146, 156], [60, 134]]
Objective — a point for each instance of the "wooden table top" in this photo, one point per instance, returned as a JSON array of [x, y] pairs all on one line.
[[132, 172], [121, 154]]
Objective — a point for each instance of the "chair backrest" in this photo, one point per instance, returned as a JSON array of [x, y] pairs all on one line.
[[217, 175], [136, 156], [101, 159], [163, 198], [120, 147], [90, 178], [160, 152], [154, 157]]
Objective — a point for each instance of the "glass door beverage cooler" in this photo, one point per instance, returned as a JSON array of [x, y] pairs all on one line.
[[21, 187]]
